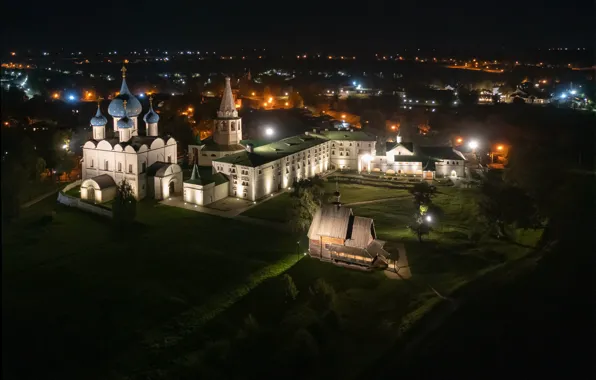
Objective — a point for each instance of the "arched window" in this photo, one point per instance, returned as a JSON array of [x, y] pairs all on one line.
[[232, 126], [91, 163], [106, 165], [119, 166], [130, 168]]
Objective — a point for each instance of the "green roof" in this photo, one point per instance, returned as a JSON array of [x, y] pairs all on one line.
[[349, 135], [273, 151]]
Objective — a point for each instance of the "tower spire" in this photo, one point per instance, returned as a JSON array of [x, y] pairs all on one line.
[[195, 172], [123, 69], [227, 107]]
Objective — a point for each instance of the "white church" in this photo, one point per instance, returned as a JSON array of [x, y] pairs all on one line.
[[147, 162], [242, 170]]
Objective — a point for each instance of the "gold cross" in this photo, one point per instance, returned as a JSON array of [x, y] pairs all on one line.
[[124, 102], [99, 100], [151, 100], [123, 71]]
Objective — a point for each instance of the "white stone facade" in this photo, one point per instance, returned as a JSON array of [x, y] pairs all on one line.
[[123, 161]]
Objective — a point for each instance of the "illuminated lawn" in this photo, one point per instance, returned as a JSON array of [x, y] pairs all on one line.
[[77, 293], [372, 310], [278, 209]]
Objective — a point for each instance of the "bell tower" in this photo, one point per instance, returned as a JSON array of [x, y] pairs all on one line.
[[227, 129]]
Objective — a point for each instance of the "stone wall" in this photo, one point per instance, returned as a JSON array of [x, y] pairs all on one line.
[[67, 200]]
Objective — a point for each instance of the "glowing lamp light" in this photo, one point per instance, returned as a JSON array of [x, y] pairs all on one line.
[[563, 96], [473, 144], [190, 109], [429, 218], [286, 94], [459, 140], [393, 127], [64, 146], [253, 94], [141, 95], [269, 131], [500, 147], [367, 157], [343, 116], [287, 104], [573, 92], [56, 95], [265, 104], [71, 97]]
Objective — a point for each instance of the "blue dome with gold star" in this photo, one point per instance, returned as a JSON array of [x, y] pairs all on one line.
[[133, 106], [99, 120]]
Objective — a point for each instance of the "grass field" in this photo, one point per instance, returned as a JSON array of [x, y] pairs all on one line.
[[373, 311], [78, 293], [278, 208]]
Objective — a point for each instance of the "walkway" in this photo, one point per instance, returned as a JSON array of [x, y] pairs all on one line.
[[40, 198], [375, 201]]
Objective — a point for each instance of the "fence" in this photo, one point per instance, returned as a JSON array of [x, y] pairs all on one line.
[[67, 200]]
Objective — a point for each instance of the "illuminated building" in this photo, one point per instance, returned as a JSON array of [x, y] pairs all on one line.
[[147, 163]]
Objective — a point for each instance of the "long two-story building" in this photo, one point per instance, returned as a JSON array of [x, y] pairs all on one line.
[[244, 170]]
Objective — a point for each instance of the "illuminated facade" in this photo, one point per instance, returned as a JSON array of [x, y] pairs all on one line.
[[148, 163]]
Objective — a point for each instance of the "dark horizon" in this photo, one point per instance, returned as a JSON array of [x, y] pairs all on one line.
[[298, 26]]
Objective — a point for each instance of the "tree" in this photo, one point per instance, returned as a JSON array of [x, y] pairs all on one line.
[[422, 192], [303, 209], [125, 204], [323, 297], [290, 290]]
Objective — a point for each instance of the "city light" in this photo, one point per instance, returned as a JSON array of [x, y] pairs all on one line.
[[270, 100], [269, 131], [343, 116], [190, 109], [286, 94], [253, 94], [287, 104], [265, 104], [428, 218], [393, 127], [473, 144], [500, 147], [563, 96], [141, 95], [64, 146], [367, 157], [71, 97], [459, 140], [56, 95], [573, 92]]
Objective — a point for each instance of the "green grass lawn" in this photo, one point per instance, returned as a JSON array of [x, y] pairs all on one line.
[[373, 310], [278, 208], [78, 293]]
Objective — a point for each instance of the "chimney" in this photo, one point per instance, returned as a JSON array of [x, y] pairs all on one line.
[[249, 148]]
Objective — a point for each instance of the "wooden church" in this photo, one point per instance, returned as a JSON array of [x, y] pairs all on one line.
[[338, 236]]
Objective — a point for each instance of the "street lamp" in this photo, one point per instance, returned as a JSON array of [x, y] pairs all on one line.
[[473, 144], [429, 218], [269, 131]]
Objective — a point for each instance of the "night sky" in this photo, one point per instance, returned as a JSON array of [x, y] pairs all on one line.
[[297, 24]]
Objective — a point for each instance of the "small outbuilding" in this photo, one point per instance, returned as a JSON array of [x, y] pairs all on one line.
[[164, 179], [98, 189]]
